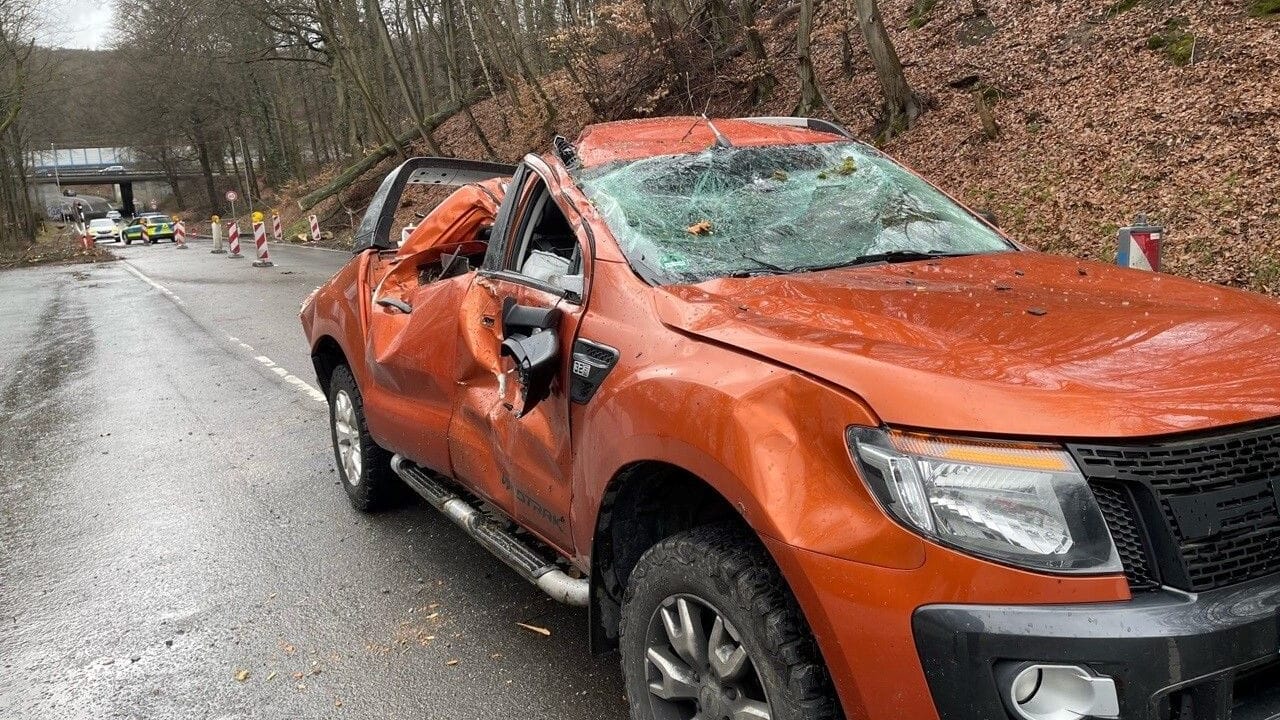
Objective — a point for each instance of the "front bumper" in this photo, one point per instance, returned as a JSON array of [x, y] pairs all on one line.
[[1211, 656]]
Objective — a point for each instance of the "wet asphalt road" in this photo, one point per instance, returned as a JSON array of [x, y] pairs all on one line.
[[170, 518]]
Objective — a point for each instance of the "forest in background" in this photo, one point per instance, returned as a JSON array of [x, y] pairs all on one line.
[[1064, 118]]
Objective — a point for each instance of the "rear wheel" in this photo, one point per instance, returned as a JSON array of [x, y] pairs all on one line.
[[711, 631], [363, 466]]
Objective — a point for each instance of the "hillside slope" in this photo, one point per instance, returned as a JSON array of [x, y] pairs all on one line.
[[1104, 109]]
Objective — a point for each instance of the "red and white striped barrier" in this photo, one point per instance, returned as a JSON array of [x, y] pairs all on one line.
[[260, 239], [233, 239], [315, 229], [277, 230], [180, 235]]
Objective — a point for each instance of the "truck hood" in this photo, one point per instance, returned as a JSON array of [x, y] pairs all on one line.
[[1017, 343]]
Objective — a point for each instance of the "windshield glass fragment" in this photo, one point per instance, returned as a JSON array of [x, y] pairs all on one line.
[[776, 209]]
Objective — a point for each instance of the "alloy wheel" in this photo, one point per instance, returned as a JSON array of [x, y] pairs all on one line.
[[346, 432], [697, 667]]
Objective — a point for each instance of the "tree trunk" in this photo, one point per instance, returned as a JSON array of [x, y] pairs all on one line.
[[401, 80], [810, 91], [901, 105], [764, 83], [371, 160], [206, 167]]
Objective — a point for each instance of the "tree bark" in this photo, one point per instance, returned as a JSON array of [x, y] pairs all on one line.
[[762, 87], [901, 105], [810, 91]]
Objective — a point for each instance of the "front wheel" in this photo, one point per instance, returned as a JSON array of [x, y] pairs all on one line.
[[363, 466], [710, 630]]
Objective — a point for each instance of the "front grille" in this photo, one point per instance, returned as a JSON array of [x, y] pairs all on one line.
[[1118, 511], [1206, 510]]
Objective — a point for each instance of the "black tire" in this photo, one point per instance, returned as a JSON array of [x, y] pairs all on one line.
[[375, 485], [729, 570], [128, 241]]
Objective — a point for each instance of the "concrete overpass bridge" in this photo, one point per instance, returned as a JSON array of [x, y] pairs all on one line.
[[122, 179]]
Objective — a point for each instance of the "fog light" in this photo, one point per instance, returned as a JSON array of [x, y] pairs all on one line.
[[1058, 692]]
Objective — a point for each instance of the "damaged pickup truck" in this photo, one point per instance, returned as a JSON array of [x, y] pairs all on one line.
[[811, 439]]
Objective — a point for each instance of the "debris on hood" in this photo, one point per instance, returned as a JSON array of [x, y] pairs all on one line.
[[702, 227]]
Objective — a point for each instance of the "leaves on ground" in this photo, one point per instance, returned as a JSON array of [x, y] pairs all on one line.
[[535, 629]]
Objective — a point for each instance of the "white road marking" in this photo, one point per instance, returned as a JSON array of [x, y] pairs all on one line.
[[289, 377], [164, 290], [285, 375]]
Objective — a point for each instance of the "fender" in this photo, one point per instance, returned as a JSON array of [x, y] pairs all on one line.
[[731, 431]]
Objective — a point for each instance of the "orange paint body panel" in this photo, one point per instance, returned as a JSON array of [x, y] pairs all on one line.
[[750, 383]]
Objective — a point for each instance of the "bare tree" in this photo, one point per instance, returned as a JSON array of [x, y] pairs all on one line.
[[901, 105], [17, 216]]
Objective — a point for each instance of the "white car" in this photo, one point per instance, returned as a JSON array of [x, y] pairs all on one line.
[[112, 169], [114, 216], [104, 230]]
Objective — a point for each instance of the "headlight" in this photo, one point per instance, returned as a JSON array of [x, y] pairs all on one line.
[[1022, 504]]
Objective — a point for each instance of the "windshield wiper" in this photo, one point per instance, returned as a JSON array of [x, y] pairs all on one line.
[[892, 256], [766, 268]]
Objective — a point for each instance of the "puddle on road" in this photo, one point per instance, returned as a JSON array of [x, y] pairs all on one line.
[[35, 402]]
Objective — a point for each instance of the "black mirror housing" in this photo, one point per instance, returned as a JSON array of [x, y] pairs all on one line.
[[535, 360]]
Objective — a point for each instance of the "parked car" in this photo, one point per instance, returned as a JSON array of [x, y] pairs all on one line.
[[148, 228], [114, 215], [812, 440], [132, 231], [111, 169], [156, 227], [104, 229]]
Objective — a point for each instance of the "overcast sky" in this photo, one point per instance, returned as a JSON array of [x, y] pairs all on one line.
[[77, 23]]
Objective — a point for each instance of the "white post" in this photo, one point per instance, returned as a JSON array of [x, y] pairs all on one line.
[[215, 230]]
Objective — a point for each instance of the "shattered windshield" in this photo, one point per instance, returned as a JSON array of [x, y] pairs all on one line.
[[776, 209]]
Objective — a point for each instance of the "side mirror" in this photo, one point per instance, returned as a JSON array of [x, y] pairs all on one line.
[[533, 344]]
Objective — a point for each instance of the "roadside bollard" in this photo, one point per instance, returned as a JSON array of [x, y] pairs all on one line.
[[233, 239], [315, 229], [179, 233], [277, 230], [215, 230], [260, 239], [1138, 245]]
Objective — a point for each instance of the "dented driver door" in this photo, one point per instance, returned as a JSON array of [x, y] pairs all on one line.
[[509, 436]]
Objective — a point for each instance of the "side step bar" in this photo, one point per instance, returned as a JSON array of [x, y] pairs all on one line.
[[526, 561]]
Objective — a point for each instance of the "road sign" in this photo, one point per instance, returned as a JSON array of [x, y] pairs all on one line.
[[232, 196]]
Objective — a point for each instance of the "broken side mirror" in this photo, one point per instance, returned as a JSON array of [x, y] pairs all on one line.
[[532, 342], [573, 285]]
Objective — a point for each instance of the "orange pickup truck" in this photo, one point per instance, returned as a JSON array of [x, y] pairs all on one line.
[[811, 439]]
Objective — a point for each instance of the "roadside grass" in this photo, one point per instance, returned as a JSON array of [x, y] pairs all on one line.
[[52, 245]]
